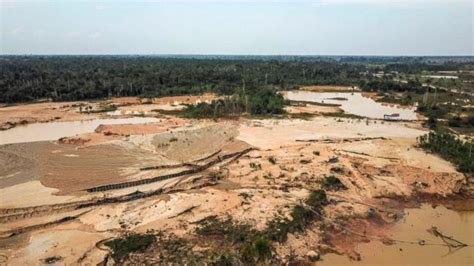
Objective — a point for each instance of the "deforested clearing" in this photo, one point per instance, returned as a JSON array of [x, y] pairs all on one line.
[[162, 179]]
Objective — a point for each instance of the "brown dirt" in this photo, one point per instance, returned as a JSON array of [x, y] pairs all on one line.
[[132, 129], [312, 109], [188, 99], [253, 188], [11, 116]]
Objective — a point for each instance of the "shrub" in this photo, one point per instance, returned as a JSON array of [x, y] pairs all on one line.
[[272, 160], [258, 102], [333, 183], [248, 245], [305, 161], [255, 166], [455, 121], [451, 148], [337, 169], [121, 247], [301, 217]]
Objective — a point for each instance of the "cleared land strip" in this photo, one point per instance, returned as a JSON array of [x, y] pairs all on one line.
[[14, 214], [164, 177], [188, 164]]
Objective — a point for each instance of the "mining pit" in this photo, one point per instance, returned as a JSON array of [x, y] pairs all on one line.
[[61, 199]]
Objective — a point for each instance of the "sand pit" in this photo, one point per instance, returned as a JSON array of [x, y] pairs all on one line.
[[250, 170], [10, 116], [71, 169], [285, 131]]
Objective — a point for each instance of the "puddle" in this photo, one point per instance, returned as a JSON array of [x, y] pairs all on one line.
[[56, 130], [353, 103], [456, 224]]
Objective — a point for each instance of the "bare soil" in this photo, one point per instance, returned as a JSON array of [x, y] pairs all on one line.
[[322, 88], [378, 164]]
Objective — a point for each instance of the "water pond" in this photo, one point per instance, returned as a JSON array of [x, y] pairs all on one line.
[[414, 227], [56, 130], [353, 103]]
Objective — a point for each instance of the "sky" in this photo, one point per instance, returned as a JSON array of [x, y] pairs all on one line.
[[260, 27]]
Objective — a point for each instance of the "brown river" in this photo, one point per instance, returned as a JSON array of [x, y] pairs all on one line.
[[413, 228], [56, 130]]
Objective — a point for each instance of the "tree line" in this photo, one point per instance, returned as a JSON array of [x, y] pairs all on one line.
[[451, 148], [68, 78]]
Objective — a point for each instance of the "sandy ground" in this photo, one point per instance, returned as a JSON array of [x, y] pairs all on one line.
[[377, 161], [327, 88], [11, 116], [312, 109], [185, 99], [41, 112]]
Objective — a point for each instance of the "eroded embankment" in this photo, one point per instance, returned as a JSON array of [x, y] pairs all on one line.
[[194, 170], [362, 168]]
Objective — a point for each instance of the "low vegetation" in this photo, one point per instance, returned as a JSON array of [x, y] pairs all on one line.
[[301, 216], [332, 183], [272, 159], [451, 148], [234, 241], [225, 241], [122, 247], [261, 102]]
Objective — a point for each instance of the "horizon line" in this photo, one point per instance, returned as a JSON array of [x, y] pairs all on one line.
[[217, 54]]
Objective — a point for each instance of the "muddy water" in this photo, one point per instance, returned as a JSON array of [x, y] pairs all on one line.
[[56, 130], [459, 225], [353, 103]]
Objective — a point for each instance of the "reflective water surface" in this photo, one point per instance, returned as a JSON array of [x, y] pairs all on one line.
[[456, 224], [353, 103], [56, 130]]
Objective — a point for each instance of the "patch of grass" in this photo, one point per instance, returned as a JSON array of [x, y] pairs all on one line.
[[303, 116], [337, 169], [272, 160], [245, 195], [255, 166], [268, 175], [301, 216], [122, 247], [332, 183], [52, 260], [103, 109], [451, 148], [305, 161], [236, 241]]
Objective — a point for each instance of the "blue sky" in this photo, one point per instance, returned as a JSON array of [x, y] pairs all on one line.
[[299, 27]]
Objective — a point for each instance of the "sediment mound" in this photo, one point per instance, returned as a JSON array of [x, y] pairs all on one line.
[[131, 129]]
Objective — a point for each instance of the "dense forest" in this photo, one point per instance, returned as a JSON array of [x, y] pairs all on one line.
[[67, 78]]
